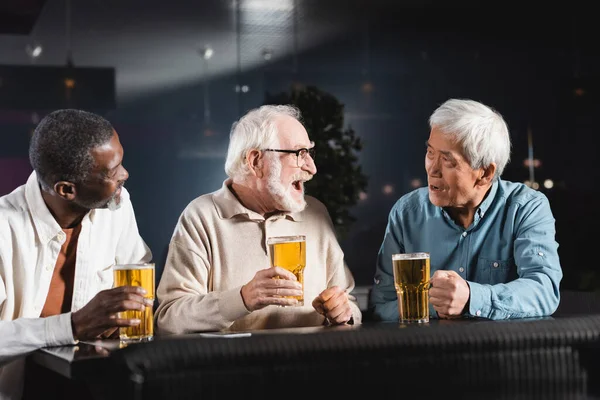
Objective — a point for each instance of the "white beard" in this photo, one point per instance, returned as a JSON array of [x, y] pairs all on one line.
[[114, 203], [282, 195]]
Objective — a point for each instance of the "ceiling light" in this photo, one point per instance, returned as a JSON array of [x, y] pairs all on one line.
[[33, 50], [207, 53]]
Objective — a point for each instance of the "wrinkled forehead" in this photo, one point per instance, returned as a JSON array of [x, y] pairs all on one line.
[[291, 133], [444, 142]]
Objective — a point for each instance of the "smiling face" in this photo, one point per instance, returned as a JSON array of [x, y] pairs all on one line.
[[284, 179], [452, 181], [102, 187]]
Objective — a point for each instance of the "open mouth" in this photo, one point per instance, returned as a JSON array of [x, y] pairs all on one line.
[[298, 185], [434, 188]]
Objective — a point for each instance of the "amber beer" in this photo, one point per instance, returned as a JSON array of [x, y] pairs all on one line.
[[137, 275], [411, 278], [289, 252]]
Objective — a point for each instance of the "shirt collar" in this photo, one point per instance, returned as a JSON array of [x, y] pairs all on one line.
[[483, 207], [44, 221], [45, 224], [487, 202], [228, 206]]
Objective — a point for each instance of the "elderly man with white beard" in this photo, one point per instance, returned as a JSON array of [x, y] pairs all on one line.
[[218, 276]]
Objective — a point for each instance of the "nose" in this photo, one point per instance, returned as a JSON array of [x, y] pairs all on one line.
[[309, 165], [124, 175], [432, 166]]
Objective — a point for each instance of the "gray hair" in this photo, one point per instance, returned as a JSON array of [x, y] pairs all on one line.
[[479, 129], [255, 130]]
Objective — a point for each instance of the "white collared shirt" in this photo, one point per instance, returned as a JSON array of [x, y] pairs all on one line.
[[30, 242]]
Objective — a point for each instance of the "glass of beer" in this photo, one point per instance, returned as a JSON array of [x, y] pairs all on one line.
[[411, 279], [289, 252], [137, 275]]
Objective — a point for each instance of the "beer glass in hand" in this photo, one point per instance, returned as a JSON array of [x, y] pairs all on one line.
[[137, 275], [289, 252]]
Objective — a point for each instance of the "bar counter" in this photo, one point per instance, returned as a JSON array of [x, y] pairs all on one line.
[[528, 358]]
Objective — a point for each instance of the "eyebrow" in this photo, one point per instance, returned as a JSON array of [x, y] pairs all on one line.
[[311, 145], [444, 152]]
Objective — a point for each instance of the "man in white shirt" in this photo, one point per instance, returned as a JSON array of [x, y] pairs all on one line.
[[60, 233], [217, 274]]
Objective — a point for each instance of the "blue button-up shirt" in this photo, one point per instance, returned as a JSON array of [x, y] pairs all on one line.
[[508, 255]]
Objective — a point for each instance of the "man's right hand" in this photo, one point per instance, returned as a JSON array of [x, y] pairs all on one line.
[[269, 286], [99, 316]]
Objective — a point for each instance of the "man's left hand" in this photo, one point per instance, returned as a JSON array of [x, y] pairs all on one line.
[[333, 303], [449, 293]]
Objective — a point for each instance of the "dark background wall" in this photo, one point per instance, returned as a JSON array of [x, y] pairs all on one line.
[[391, 64]]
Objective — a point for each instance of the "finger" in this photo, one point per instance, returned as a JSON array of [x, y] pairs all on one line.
[[342, 317], [435, 301], [280, 301], [128, 289], [283, 284], [133, 304], [330, 292], [282, 273], [438, 292], [281, 292], [317, 304], [108, 333], [124, 322], [439, 274], [337, 300], [336, 313]]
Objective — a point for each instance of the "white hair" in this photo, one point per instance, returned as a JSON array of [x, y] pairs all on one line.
[[255, 130], [479, 129]]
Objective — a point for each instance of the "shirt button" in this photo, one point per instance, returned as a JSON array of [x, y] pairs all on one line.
[[540, 254], [60, 236], [376, 281], [478, 313], [495, 264], [464, 234], [461, 269]]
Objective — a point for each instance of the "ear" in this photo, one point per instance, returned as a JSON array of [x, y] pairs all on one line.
[[486, 176], [254, 160], [66, 190]]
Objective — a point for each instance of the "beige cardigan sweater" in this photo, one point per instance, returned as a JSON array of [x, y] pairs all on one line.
[[218, 245]]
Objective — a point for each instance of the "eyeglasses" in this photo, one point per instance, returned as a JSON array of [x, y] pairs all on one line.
[[300, 154]]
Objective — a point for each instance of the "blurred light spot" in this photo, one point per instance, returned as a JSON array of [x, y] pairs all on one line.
[[267, 54], [416, 183], [245, 88], [207, 53], [548, 183], [69, 83], [536, 163], [388, 189], [579, 92], [362, 196], [535, 185], [367, 87], [33, 50]]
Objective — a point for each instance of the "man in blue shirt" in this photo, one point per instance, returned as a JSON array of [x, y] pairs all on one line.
[[492, 242]]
